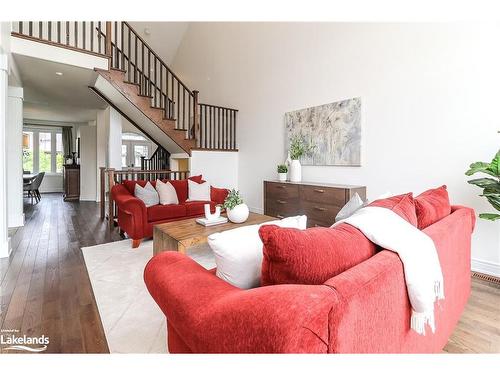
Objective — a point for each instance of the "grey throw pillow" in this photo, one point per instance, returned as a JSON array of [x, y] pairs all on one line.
[[354, 204], [147, 194]]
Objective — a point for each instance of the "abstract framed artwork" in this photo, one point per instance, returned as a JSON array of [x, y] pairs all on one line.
[[334, 129]]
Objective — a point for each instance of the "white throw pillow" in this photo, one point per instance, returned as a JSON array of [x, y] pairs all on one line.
[[198, 192], [147, 194], [354, 204], [238, 252], [166, 192]]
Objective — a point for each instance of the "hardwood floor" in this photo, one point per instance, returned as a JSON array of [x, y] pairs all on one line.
[[45, 287], [478, 330]]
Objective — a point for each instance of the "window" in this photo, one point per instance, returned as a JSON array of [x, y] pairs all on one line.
[[43, 150], [133, 147], [140, 150], [59, 153], [124, 156], [28, 151]]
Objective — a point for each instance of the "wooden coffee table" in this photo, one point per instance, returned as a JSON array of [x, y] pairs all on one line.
[[180, 235]]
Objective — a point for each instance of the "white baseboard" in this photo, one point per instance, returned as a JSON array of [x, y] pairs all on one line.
[[16, 221], [483, 266], [256, 210], [5, 249]]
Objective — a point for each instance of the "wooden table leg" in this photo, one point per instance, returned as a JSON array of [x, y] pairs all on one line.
[[181, 248], [163, 242]]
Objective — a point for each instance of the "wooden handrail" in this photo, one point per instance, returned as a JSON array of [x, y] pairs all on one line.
[[62, 35], [218, 106]]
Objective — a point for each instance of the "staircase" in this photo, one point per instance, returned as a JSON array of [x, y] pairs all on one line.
[[141, 86]]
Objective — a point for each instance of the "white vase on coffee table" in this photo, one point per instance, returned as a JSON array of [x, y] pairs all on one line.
[[238, 214]]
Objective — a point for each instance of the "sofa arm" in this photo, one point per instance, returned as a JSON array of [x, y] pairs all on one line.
[[132, 213], [375, 301], [212, 316]]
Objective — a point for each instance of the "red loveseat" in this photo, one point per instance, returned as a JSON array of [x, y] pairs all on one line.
[[364, 309], [137, 220]]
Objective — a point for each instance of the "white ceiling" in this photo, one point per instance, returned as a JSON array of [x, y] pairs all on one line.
[[67, 95], [164, 37]]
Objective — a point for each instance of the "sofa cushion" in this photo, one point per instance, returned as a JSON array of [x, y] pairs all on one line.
[[169, 211], [238, 252], [198, 207], [181, 186], [431, 206], [311, 256], [218, 195], [403, 205], [198, 192], [166, 192], [147, 194]]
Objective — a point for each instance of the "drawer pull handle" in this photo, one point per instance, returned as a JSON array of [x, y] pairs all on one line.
[[281, 187], [281, 202], [320, 208], [280, 216], [319, 190]]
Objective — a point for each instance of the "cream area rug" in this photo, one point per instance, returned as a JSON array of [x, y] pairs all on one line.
[[132, 321]]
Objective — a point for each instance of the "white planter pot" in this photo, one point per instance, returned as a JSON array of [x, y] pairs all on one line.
[[238, 214], [295, 171], [282, 176]]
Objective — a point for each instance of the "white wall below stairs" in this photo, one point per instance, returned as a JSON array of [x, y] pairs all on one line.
[[220, 168]]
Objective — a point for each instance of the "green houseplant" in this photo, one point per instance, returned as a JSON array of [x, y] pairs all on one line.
[[237, 210], [282, 171], [490, 185], [298, 148]]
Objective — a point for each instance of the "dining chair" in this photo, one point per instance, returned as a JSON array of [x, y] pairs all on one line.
[[32, 187]]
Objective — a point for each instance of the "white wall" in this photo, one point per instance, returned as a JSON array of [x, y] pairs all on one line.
[[101, 146], [429, 96], [88, 163], [114, 139], [220, 168], [14, 134], [4, 71]]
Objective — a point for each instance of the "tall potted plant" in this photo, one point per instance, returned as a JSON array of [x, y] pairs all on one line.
[[298, 148], [237, 210], [490, 185]]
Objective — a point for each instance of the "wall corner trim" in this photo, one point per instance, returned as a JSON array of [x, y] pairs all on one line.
[[4, 63], [16, 92]]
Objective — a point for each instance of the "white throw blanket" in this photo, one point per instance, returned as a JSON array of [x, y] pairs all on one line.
[[424, 279]]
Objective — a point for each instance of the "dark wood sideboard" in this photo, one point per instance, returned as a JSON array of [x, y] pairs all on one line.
[[320, 202], [71, 182]]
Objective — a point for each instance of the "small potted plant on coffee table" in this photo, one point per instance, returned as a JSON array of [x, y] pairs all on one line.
[[282, 172], [237, 211]]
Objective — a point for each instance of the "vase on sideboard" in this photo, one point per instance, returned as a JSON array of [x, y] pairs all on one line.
[[295, 171]]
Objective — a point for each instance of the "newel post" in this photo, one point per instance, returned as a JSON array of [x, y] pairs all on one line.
[[103, 192], [196, 117], [109, 38], [111, 211]]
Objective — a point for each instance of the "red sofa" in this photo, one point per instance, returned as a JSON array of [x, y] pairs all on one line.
[[137, 220], [364, 309]]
